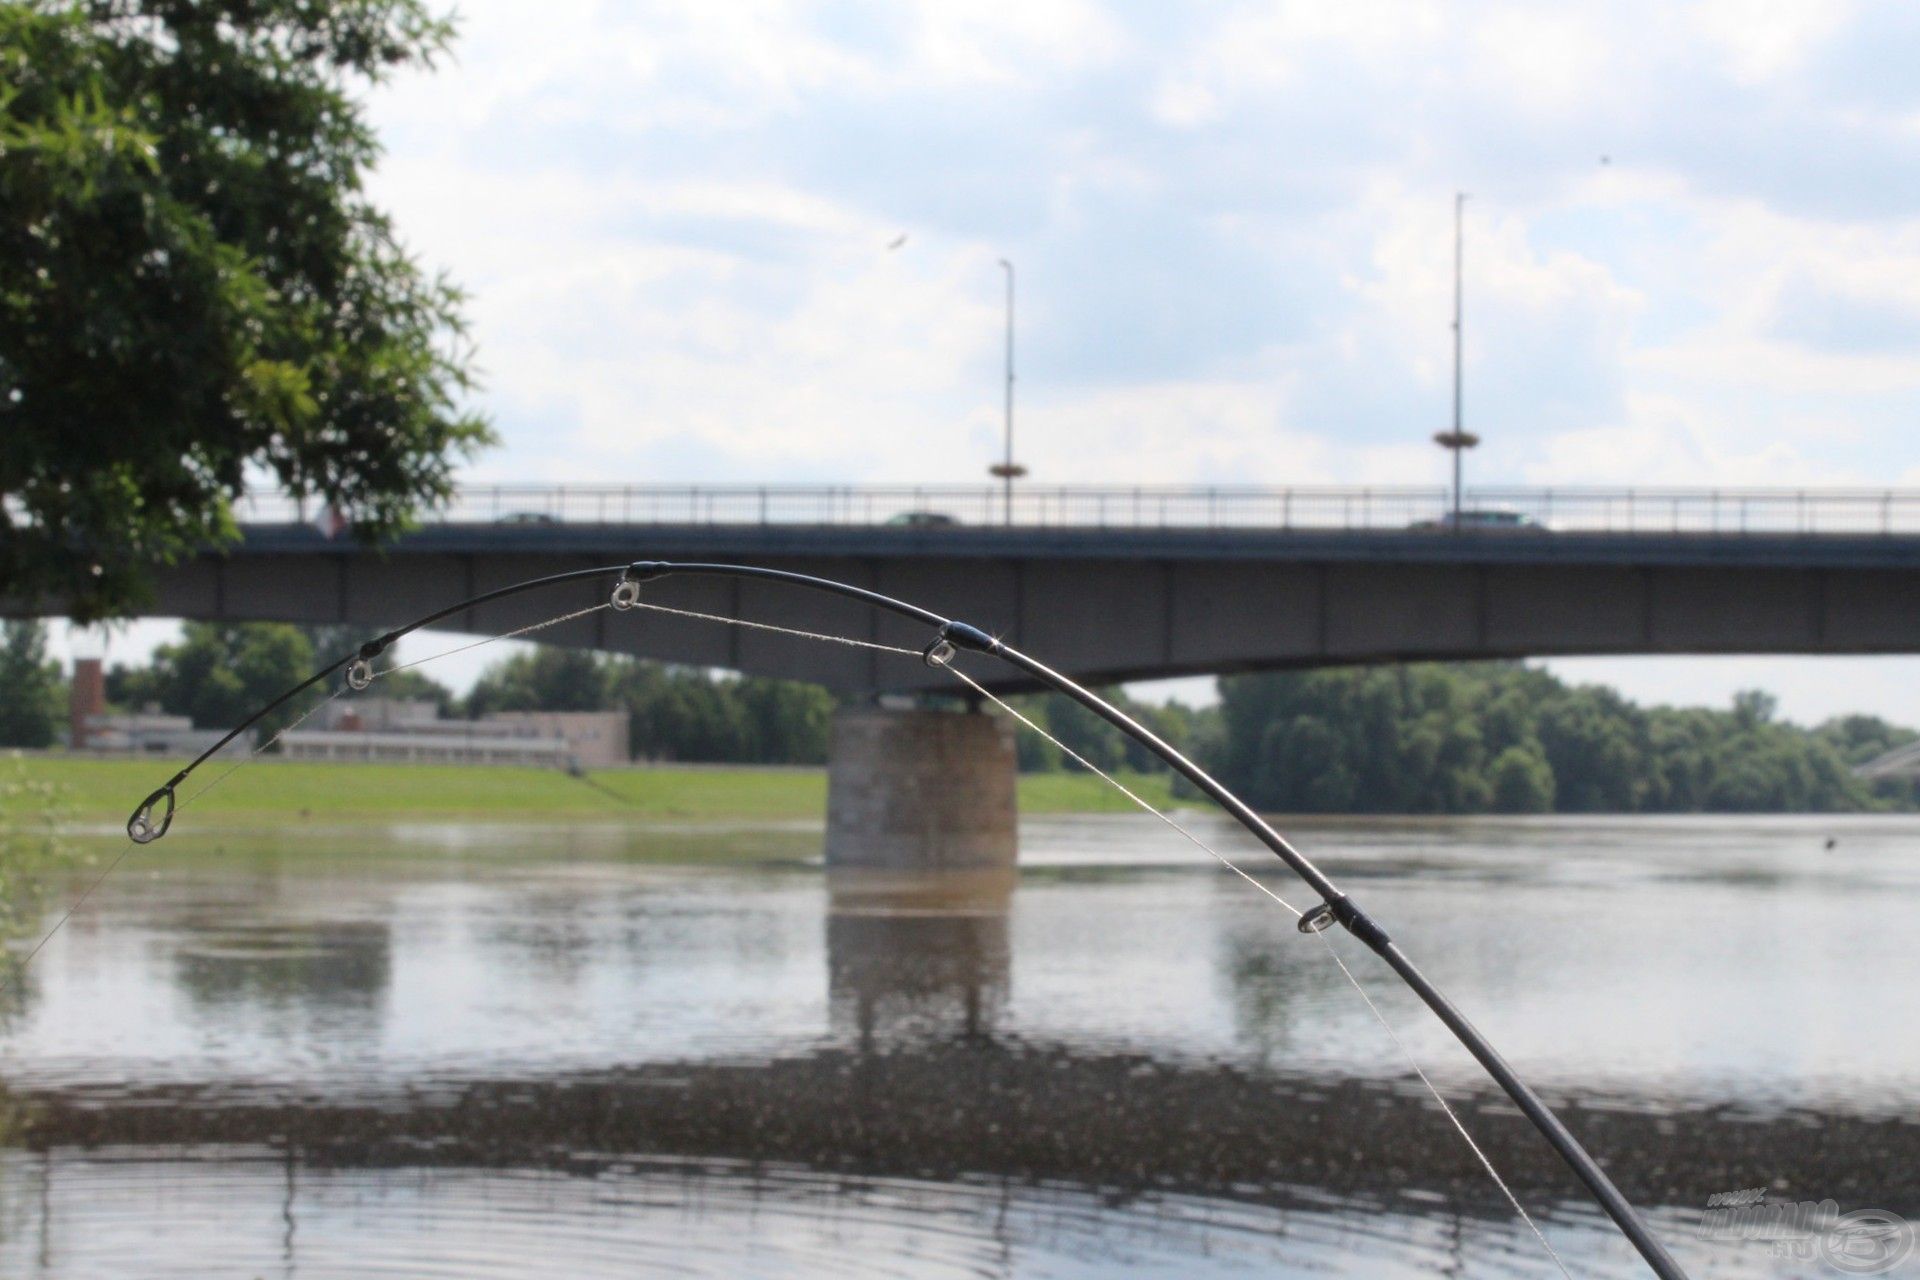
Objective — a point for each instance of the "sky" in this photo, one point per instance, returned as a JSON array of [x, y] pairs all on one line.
[[1692, 247]]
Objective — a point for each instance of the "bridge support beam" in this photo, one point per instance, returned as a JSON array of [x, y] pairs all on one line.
[[920, 789]]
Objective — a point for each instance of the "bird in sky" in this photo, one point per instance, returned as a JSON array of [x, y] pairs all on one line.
[[897, 242]]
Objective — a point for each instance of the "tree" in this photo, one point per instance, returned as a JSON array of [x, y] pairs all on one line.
[[1859, 738], [1498, 736], [789, 721], [219, 673], [546, 679], [1081, 731], [1592, 738], [1521, 781], [194, 287], [29, 687], [412, 684]]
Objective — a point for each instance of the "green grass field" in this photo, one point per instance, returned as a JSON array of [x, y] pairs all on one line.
[[105, 791]]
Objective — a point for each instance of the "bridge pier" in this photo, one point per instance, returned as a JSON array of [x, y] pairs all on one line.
[[920, 790]]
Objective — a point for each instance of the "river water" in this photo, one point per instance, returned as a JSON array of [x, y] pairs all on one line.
[[599, 1050]]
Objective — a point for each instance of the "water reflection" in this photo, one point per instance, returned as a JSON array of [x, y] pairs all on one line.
[[327, 966], [917, 957], [702, 1218], [357, 1052]]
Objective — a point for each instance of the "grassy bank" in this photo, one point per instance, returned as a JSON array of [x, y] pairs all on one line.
[[104, 791]]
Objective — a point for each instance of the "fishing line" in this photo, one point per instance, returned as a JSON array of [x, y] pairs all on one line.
[[1485, 1161], [554, 621], [768, 626], [295, 723], [153, 816], [247, 759], [1124, 790], [1407, 1053], [19, 971]]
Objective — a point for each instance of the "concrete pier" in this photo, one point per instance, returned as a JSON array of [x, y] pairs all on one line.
[[920, 790]]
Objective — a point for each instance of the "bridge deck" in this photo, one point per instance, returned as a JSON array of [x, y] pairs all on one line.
[[1114, 603]]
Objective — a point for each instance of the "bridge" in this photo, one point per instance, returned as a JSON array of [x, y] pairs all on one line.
[[1126, 583], [1107, 584]]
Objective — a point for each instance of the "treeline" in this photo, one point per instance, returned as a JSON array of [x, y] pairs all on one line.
[[1427, 738], [1503, 738], [675, 713], [32, 689], [1489, 737]]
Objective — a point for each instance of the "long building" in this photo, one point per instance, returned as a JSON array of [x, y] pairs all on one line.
[[91, 726], [392, 730], [475, 747], [403, 730]]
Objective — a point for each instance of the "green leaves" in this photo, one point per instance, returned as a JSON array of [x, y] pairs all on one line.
[[30, 686], [193, 288], [219, 674], [1499, 737]]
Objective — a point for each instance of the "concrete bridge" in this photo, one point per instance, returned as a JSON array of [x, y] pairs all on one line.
[[1129, 583], [1108, 585]]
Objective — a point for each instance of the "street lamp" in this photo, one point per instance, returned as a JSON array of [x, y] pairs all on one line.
[[1007, 470], [1458, 440]]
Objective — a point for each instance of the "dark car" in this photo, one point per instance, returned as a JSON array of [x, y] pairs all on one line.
[[922, 520], [1484, 519]]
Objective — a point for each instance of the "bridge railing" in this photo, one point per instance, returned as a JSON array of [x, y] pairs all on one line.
[[1373, 507]]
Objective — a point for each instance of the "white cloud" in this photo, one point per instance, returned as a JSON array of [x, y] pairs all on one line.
[[1233, 225], [1233, 228], [1761, 39]]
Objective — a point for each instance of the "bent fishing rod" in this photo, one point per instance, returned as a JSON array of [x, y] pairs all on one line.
[[152, 818]]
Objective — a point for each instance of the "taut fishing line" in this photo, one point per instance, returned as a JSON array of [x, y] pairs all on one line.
[[482, 643], [1406, 1053], [18, 973], [260, 749], [1122, 788], [376, 674], [154, 815]]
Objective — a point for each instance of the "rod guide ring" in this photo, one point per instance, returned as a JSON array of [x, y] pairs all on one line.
[[145, 826], [1318, 920]]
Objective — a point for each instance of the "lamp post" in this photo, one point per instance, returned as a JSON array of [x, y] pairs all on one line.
[[1007, 470], [1459, 439]]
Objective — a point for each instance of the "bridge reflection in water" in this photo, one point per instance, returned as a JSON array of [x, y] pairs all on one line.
[[918, 957]]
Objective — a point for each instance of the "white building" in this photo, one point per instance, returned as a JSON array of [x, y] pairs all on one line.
[[153, 733], [473, 747], [398, 730]]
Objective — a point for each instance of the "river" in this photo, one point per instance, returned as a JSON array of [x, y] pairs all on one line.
[[598, 1050]]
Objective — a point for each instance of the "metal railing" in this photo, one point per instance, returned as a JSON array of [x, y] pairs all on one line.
[[1371, 507]]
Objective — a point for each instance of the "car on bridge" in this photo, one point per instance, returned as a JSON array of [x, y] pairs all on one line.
[[923, 520], [1484, 520]]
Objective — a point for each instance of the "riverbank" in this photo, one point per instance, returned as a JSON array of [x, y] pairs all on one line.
[[96, 791]]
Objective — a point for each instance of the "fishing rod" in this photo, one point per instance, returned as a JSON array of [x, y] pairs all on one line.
[[152, 818]]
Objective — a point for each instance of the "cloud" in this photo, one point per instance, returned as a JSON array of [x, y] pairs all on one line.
[[1232, 226]]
